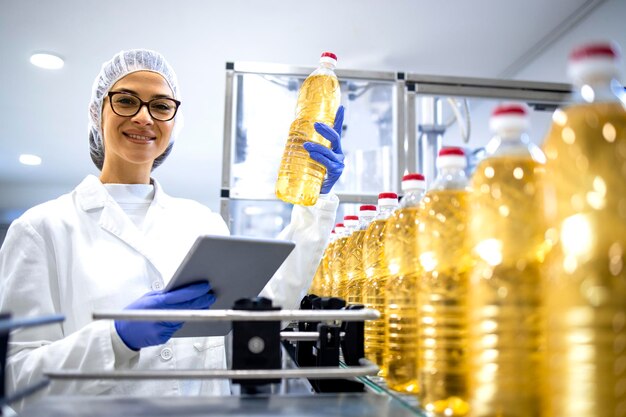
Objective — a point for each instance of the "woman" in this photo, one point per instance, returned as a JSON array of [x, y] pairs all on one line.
[[114, 241]]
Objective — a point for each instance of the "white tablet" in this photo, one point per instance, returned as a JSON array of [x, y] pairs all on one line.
[[236, 267]]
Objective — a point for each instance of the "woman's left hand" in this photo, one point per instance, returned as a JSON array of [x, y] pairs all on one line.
[[331, 158]]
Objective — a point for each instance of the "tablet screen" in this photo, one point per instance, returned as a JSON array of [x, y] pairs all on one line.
[[236, 267]]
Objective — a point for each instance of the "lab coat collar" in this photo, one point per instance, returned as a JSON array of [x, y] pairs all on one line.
[[93, 195]]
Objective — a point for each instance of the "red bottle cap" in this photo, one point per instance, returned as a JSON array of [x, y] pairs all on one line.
[[367, 207], [451, 151], [351, 217], [329, 54], [599, 49], [387, 195], [415, 176], [509, 109]]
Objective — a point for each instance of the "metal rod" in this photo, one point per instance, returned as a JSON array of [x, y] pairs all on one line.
[[281, 69], [10, 324], [412, 150], [304, 336], [535, 96], [432, 132], [400, 118], [445, 80], [238, 315], [366, 368]]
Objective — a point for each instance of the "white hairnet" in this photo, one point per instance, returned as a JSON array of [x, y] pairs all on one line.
[[122, 64]]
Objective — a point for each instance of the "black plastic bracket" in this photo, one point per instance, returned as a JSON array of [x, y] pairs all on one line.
[[353, 339], [256, 345]]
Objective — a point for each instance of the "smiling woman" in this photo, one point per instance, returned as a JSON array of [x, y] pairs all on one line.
[[114, 243], [133, 142]]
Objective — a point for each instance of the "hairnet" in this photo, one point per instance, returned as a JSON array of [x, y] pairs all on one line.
[[122, 64]]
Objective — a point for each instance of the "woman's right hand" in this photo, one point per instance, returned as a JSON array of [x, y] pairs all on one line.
[[139, 334]]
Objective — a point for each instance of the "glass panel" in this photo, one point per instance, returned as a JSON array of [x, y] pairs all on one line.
[[258, 218], [264, 110], [369, 140], [479, 131], [264, 218]]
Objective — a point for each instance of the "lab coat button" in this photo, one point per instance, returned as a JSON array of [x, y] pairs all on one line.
[[156, 286], [166, 354]]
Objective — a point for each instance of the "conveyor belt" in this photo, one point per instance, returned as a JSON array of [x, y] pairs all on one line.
[[321, 405]]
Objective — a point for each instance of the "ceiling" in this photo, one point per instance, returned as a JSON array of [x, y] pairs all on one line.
[[45, 112]]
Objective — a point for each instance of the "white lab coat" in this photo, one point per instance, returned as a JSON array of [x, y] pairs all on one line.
[[81, 253]]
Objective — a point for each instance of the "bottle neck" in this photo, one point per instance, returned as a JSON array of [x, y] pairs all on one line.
[[450, 178], [593, 90], [351, 226], [364, 221], [385, 212], [509, 142], [412, 198]]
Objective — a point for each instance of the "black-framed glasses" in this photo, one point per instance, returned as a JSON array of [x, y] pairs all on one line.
[[127, 105]]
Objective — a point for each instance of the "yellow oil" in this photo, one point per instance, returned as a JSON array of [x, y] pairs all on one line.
[[338, 269], [353, 283], [318, 280], [507, 233], [354, 266], [585, 282], [299, 177], [327, 278], [443, 240], [401, 344], [376, 272]]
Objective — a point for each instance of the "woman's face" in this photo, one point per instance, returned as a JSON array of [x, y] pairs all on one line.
[[133, 143]]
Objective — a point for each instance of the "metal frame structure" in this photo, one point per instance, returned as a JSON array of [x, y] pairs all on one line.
[[411, 154], [422, 154], [233, 69]]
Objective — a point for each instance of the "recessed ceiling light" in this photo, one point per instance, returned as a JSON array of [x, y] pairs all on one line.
[[28, 159], [46, 61]]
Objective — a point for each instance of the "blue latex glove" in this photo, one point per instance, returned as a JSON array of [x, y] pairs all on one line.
[[139, 334], [332, 158]]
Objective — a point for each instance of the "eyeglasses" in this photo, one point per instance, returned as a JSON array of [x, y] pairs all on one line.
[[127, 105]]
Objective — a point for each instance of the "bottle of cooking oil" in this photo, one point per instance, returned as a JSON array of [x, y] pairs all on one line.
[[327, 260], [318, 280], [507, 237], [316, 284], [585, 281], [445, 260], [376, 273], [338, 270], [354, 256], [401, 345], [300, 177]]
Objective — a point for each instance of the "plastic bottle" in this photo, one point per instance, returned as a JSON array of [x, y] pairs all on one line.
[[328, 261], [318, 280], [376, 272], [354, 256], [299, 177], [401, 344], [442, 300], [507, 237], [338, 270], [585, 292]]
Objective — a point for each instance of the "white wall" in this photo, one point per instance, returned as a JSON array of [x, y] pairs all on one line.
[[608, 21]]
